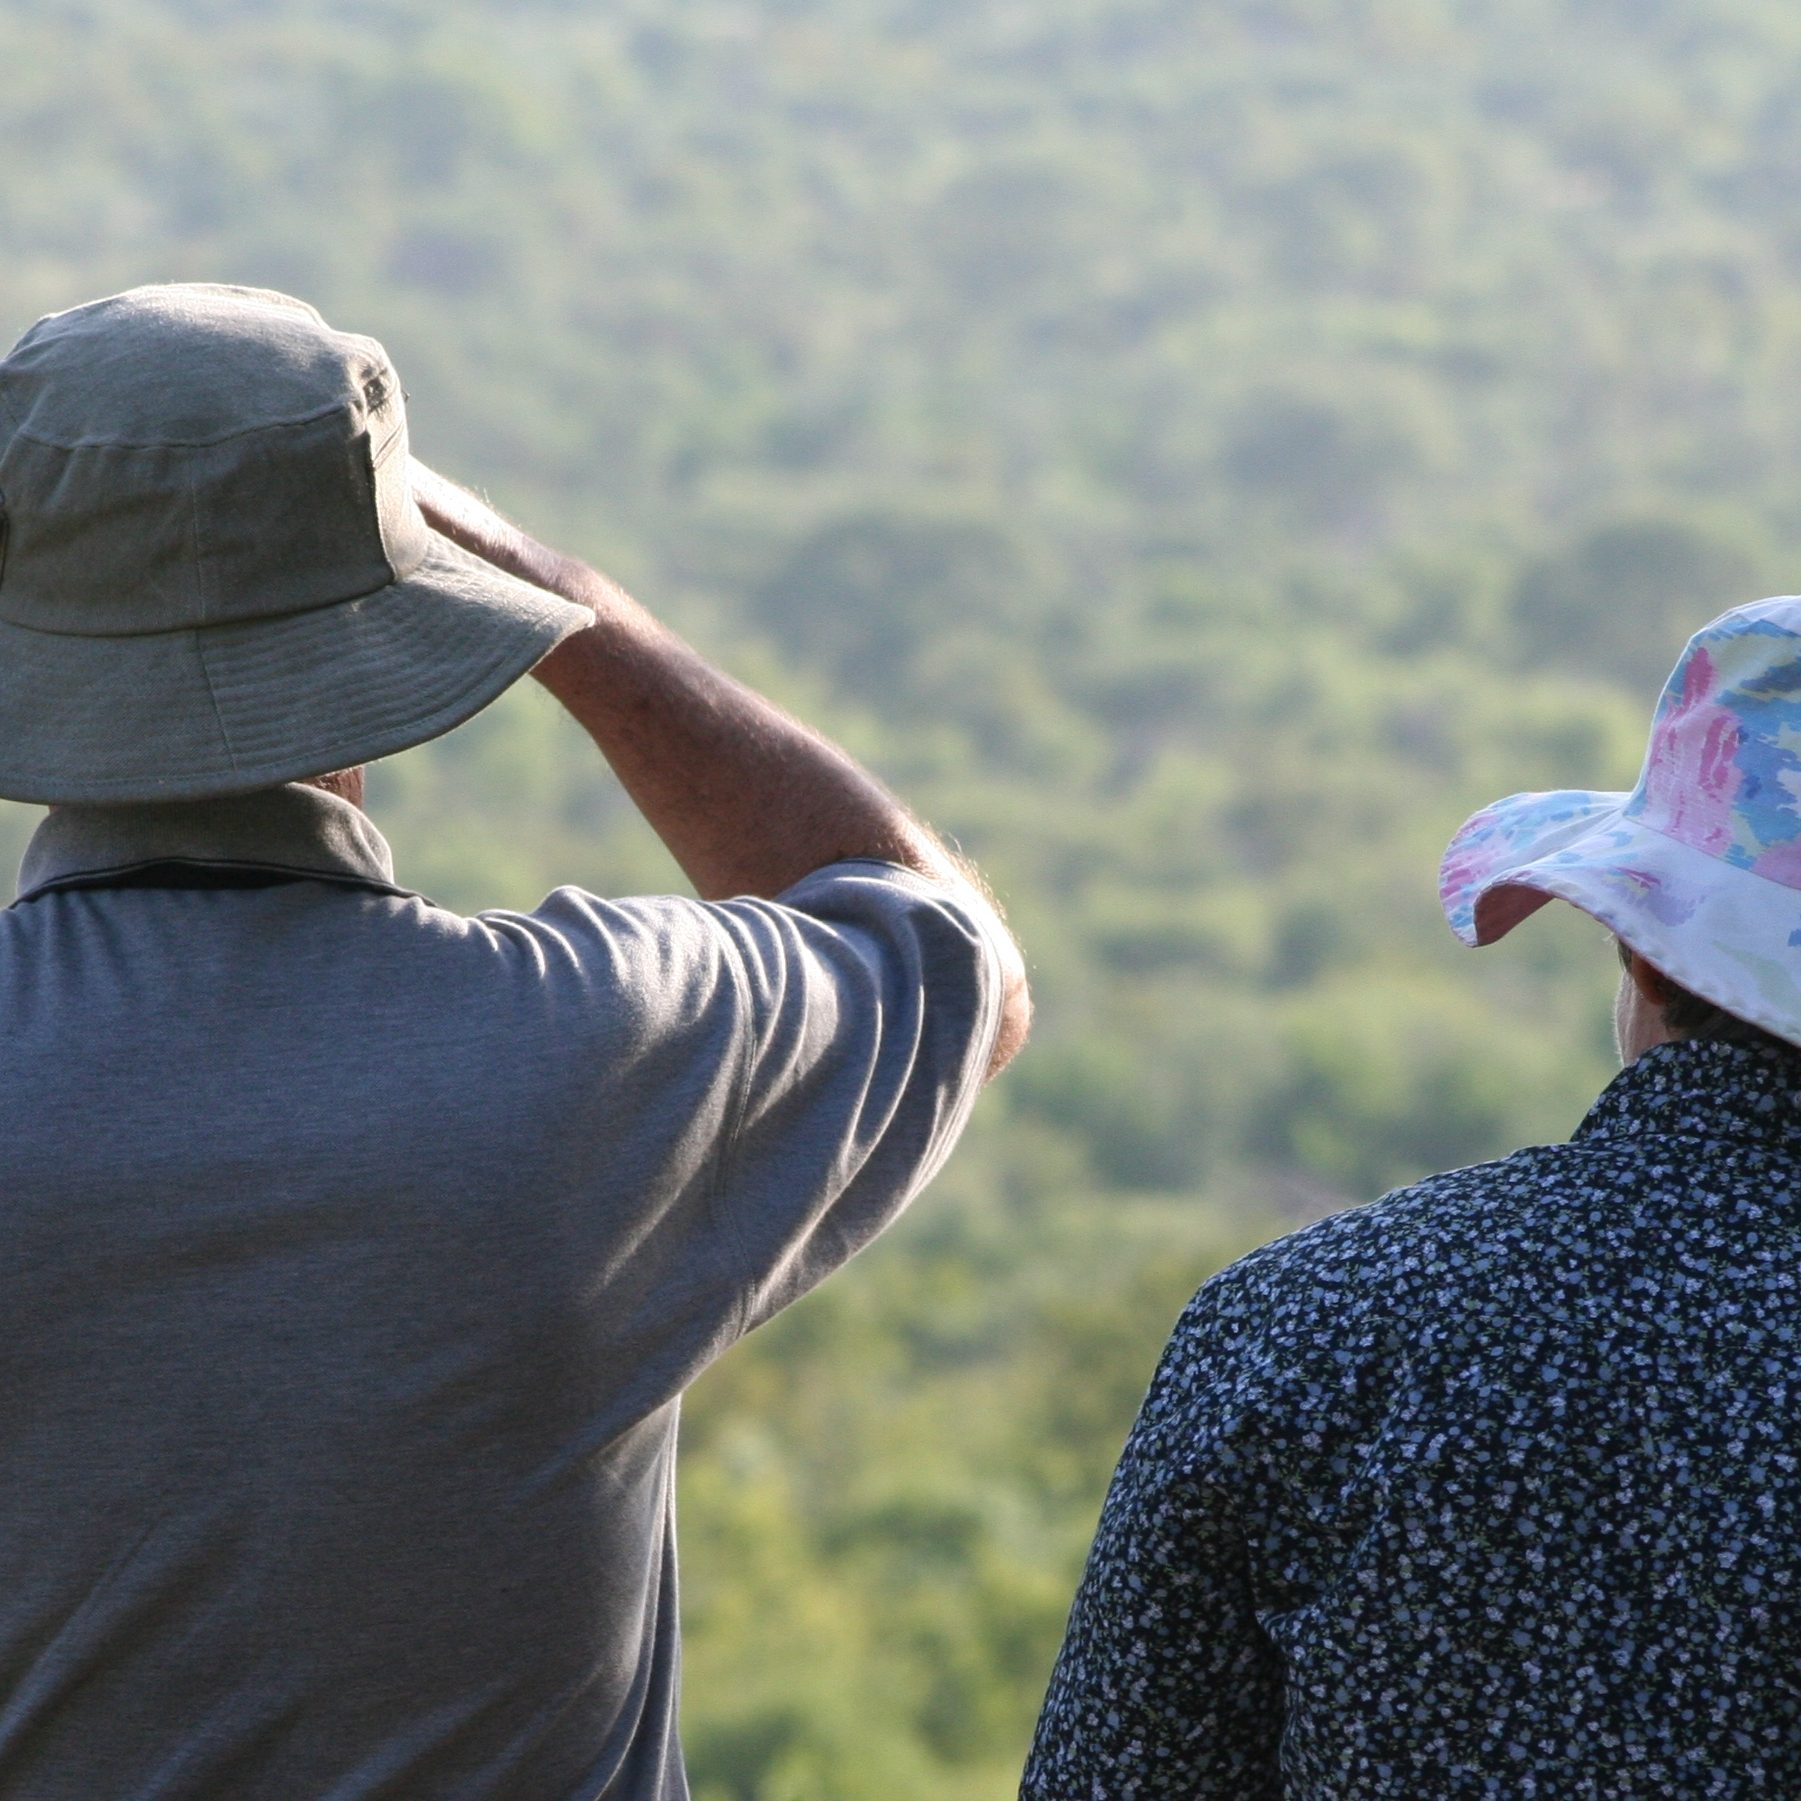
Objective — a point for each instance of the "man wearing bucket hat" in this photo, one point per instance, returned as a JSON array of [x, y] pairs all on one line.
[[1491, 1488], [354, 1254]]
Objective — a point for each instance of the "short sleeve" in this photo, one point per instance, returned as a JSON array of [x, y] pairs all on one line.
[[872, 1001], [723, 1100]]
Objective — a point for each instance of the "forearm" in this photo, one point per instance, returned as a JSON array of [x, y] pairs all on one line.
[[747, 799]]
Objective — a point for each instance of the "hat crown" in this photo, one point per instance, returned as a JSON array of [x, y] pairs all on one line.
[[187, 456], [1698, 869], [179, 365], [1722, 772]]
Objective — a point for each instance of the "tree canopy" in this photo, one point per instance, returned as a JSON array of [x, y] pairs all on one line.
[[1198, 455]]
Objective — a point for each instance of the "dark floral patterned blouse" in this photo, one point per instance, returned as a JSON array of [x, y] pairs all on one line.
[[1489, 1489]]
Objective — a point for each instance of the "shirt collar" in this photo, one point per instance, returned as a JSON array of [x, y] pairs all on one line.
[[1702, 1088], [294, 830]]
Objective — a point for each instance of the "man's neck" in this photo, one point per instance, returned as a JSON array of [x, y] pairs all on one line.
[[347, 784]]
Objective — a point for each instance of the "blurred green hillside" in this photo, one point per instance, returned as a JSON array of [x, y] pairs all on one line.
[[1198, 454]]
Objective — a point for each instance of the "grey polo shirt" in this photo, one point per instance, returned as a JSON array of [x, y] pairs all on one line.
[[353, 1257]]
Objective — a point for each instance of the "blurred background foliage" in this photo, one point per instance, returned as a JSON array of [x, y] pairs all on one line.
[[1198, 454]]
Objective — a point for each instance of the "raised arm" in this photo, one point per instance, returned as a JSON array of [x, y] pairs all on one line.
[[747, 799]]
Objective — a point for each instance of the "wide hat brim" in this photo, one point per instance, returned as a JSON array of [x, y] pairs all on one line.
[[1723, 932], [228, 707]]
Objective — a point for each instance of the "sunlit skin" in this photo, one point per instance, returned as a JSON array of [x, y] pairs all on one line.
[[747, 799], [1638, 1021], [347, 784]]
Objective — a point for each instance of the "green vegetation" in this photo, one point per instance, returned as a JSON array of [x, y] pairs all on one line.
[[1198, 454]]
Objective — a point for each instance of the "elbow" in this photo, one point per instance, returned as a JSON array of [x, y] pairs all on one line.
[[1016, 1008]]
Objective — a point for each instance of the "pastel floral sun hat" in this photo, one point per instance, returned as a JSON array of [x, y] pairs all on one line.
[[1698, 869]]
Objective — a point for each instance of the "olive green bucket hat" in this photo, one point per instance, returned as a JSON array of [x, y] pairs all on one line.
[[213, 576]]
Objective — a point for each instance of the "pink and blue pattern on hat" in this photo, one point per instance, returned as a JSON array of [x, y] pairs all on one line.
[[1699, 867], [1723, 774]]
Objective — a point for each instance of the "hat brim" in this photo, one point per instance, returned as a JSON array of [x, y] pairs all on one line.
[[1722, 932], [224, 708]]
